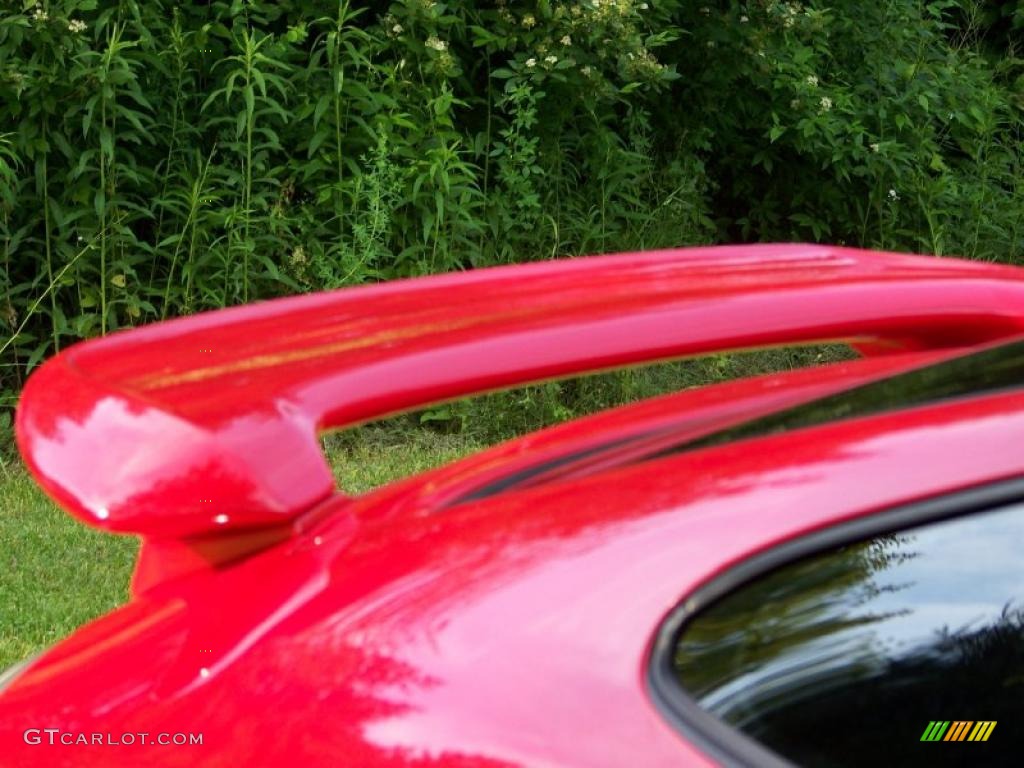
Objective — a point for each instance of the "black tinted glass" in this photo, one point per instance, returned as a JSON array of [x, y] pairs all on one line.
[[983, 372], [991, 370], [852, 657]]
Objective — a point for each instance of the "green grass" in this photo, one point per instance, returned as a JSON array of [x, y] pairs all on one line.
[[376, 454], [58, 574]]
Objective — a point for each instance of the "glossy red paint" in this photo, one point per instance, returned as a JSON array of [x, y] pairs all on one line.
[[385, 630], [208, 423]]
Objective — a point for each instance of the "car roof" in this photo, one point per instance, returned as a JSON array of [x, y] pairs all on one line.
[[511, 629], [421, 623]]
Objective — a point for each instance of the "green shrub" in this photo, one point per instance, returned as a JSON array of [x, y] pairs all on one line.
[[867, 123], [163, 158]]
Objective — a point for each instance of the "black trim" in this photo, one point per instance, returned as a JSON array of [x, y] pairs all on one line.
[[722, 742], [991, 370], [523, 476]]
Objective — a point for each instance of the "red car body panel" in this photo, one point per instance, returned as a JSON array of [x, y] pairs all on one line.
[[398, 628]]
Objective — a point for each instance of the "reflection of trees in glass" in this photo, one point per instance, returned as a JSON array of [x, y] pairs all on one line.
[[799, 660], [984, 666], [782, 613], [967, 674]]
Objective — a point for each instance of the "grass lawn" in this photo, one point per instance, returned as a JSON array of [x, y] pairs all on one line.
[[58, 574]]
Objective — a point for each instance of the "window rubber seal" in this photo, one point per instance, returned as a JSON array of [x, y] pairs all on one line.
[[720, 741]]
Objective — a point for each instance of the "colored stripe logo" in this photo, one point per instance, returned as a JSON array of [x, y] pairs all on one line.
[[958, 730]]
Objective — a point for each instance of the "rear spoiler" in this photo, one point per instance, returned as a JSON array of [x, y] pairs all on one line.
[[209, 424]]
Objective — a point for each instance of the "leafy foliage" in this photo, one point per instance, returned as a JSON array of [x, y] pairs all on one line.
[[162, 158]]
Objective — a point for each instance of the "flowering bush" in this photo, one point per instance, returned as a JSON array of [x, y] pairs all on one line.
[[875, 124]]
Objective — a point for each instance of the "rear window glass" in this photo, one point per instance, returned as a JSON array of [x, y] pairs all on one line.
[[907, 649]]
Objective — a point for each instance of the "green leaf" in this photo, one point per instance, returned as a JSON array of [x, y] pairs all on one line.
[[321, 106], [37, 354], [106, 142], [314, 144]]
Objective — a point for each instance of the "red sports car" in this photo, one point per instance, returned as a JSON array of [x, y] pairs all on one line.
[[816, 567]]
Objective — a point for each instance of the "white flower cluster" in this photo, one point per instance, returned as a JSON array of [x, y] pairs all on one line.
[[788, 12], [436, 44], [391, 26], [607, 10], [643, 65], [77, 26]]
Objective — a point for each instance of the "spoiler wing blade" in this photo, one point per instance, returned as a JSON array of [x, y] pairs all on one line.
[[209, 423]]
